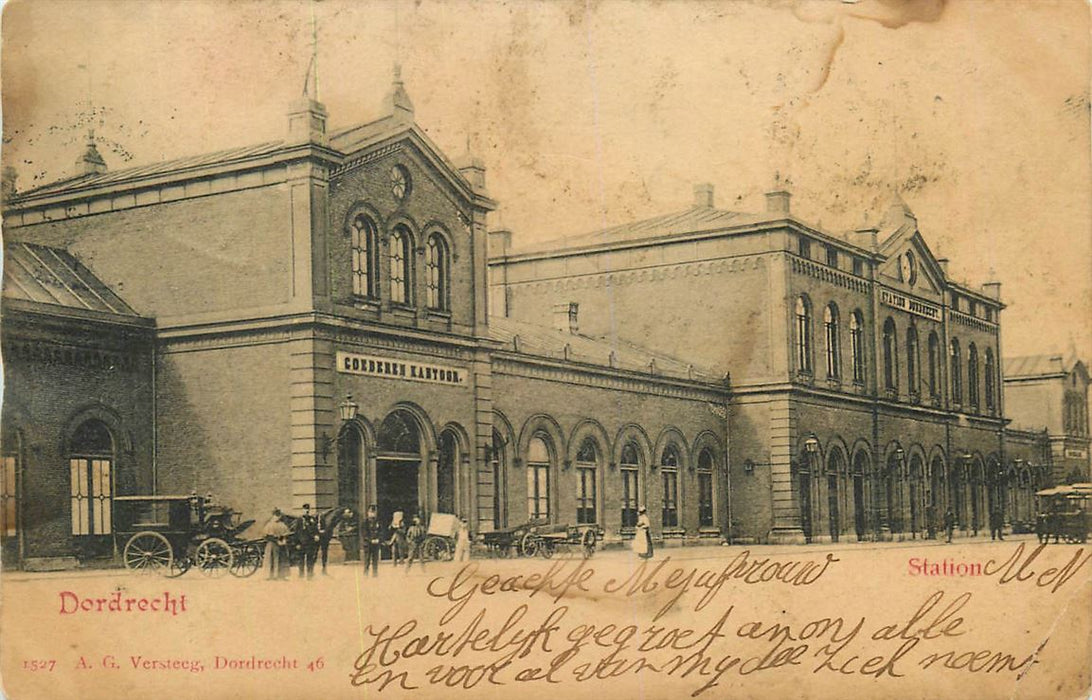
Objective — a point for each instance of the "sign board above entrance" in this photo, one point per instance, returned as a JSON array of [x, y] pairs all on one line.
[[393, 368]]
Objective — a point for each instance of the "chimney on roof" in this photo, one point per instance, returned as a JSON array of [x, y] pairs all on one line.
[[703, 196], [566, 317], [992, 290], [91, 161], [398, 103], [943, 262], [500, 242], [306, 122], [777, 199], [473, 169]]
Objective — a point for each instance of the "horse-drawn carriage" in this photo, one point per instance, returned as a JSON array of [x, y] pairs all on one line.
[[1064, 513], [169, 535], [541, 538]]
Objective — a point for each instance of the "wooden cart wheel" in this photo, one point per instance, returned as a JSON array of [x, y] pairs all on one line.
[[438, 549], [546, 548], [528, 545], [214, 557], [587, 543], [179, 565], [248, 559], [148, 552]]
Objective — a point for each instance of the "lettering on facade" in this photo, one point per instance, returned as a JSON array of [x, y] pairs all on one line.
[[85, 358], [1076, 453], [913, 306], [393, 368]]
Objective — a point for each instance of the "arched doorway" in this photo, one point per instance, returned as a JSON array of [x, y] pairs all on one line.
[[91, 479], [934, 510], [917, 492], [447, 476], [892, 483], [860, 473], [398, 466], [836, 469]]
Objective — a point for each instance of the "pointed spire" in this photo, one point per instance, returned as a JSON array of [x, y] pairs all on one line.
[[398, 103], [91, 161]]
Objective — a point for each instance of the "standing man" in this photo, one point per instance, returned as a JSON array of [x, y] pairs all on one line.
[[308, 537], [997, 522], [415, 536], [949, 524], [371, 538], [275, 532]]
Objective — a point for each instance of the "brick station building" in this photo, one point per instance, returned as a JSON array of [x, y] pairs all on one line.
[[307, 321]]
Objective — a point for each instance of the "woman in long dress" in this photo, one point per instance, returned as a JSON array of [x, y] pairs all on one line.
[[462, 541], [642, 538]]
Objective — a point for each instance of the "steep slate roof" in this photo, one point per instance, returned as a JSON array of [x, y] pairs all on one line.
[[1038, 366], [543, 341], [53, 276], [688, 221]]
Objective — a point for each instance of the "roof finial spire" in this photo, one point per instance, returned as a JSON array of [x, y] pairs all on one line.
[[398, 104]]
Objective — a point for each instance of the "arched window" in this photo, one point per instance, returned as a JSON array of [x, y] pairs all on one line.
[[538, 479], [803, 335], [956, 372], [912, 378], [587, 463], [90, 464], [401, 267], [669, 478], [398, 434], [437, 273], [890, 355], [629, 467], [833, 340], [498, 461], [446, 480], [972, 375], [934, 364], [705, 488], [991, 378], [363, 254], [856, 342]]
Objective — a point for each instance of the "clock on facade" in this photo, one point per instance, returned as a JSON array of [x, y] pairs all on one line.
[[400, 182]]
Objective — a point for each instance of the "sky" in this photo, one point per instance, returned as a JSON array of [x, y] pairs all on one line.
[[589, 114]]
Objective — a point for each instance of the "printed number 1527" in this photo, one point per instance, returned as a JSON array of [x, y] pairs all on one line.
[[39, 664]]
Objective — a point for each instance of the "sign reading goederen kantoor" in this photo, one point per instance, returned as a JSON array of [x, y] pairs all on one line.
[[392, 368]]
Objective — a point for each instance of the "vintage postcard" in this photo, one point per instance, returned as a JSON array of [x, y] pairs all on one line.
[[582, 349]]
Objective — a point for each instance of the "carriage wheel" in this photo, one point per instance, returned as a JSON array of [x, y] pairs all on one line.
[[179, 566], [528, 545], [214, 558], [148, 552], [438, 549], [547, 548], [587, 543], [248, 559]]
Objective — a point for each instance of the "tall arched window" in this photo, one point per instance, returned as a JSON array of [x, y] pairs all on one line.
[[401, 247], [447, 473], [890, 355], [972, 375], [90, 464], [498, 462], [833, 340], [587, 463], [669, 478], [705, 488], [629, 467], [803, 334], [934, 365], [912, 378], [856, 343], [363, 254], [956, 372], [437, 273], [991, 378], [538, 479]]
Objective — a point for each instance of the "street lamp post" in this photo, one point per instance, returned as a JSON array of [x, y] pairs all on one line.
[[811, 453]]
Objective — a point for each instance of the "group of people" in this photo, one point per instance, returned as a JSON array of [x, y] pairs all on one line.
[[281, 541]]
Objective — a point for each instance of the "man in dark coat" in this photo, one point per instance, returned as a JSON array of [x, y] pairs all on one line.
[[307, 534], [949, 524], [997, 522], [415, 539], [371, 537]]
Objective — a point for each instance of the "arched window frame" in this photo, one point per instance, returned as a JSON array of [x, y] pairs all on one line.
[[856, 342], [400, 272], [832, 333], [539, 465], [913, 365], [587, 474], [91, 481], [364, 235], [705, 488], [990, 369], [890, 356], [629, 468], [972, 376], [956, 370], [437, 273], [802, 338], [934, 365], [669, 482]]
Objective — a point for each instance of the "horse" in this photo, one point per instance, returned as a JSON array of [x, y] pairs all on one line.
[[329, 520]]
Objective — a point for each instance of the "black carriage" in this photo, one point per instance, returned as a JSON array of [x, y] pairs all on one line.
[[1064, 513], [542, 538], [170, 535]]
